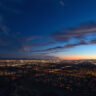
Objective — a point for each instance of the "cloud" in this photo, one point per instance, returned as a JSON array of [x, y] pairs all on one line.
[[78, 32], [64, 47], [25, 56], [93, 41], [31, 43], [65, 36], [43, 44], [26, 48], [31, 47], [62, 2], [8, 39], [44, 57], [69, 46], [3, 27], [28, 39]]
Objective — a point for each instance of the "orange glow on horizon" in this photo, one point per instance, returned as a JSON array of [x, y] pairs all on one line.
[[77, 57]]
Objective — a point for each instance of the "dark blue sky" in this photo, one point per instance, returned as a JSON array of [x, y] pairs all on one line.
[[62, 28]]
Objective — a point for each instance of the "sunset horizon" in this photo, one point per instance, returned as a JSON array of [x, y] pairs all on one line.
[[44, 29]]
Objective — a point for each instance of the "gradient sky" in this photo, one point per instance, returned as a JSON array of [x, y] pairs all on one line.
[[45, 28]]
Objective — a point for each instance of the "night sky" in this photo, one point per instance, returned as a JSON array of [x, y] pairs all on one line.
[[48, 28]]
